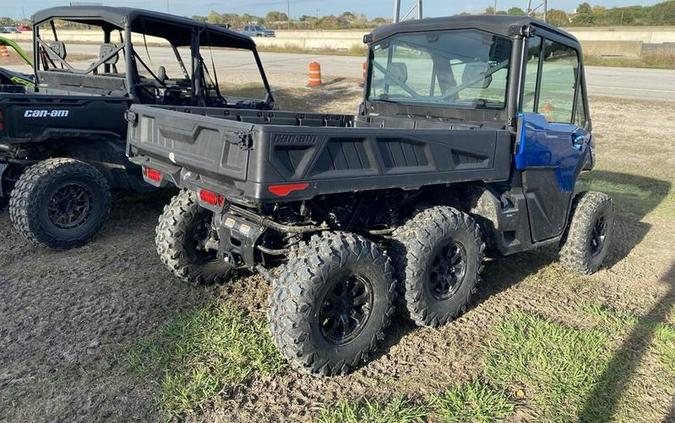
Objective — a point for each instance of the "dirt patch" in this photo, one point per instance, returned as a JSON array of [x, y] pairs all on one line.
[[69, 319]]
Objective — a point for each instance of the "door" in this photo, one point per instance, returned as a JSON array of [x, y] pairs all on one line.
[[552, 137]]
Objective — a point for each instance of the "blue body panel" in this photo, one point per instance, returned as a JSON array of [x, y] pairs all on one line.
[[557, 146]]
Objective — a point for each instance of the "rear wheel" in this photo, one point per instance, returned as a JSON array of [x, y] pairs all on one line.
[[184, 239], [438, 257], [60, 203], [332, 303], [590, 233]]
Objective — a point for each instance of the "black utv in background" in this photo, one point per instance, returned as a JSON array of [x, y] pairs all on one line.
[[470, 140], [62, 145]]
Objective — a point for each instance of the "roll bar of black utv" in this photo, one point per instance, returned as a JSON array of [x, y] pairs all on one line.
[[151, 23]]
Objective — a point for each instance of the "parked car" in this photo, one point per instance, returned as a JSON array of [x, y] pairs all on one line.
[[62, 147], [258, 31], [24, 28], [9, 30], [470, 140]]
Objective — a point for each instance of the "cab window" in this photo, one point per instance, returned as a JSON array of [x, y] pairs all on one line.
[[580, 110], [531, 72], [454, 68], [557, 88]]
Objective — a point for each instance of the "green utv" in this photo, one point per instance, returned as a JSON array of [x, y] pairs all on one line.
[[10, 80], [470, 140], [62, 144]]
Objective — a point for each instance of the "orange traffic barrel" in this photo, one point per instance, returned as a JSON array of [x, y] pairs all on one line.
[[314, 74], [4, 52]]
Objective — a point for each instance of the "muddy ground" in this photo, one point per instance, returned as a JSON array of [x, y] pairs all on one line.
[[67, 319]]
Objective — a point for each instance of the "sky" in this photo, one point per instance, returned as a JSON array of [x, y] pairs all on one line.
[[372, 8]]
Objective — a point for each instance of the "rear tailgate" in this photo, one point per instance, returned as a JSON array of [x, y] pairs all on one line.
[[215, 149]]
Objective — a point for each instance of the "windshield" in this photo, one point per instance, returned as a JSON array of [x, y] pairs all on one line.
[[458, 68]]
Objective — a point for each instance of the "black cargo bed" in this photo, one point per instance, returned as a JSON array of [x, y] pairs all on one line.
[[244, 153]]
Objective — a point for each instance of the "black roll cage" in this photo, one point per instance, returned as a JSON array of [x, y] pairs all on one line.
[[198, 34]]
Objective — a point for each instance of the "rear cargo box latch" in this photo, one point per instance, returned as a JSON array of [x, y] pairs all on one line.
[[242, 139]]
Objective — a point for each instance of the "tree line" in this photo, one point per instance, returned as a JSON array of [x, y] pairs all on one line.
[[587, 15], [279, 20], [584, 15]]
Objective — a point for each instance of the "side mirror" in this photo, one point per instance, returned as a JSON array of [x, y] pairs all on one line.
[[474, 75]]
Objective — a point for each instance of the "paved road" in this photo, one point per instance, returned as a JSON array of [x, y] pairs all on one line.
[[290, 69]]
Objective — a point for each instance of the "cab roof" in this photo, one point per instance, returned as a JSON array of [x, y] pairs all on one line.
[[176, 29], [497, 24]]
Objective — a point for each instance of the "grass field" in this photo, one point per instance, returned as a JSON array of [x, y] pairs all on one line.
[[646, 61]]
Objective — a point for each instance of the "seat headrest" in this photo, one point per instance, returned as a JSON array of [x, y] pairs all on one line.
[[161, 74], [107, 49], [398, 71], [58, 49], [475, 75]]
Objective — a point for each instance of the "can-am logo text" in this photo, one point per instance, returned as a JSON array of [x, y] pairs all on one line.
[[46, 113]]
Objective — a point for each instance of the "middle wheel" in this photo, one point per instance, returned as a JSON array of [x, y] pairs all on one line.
[[438, 257], [332, 303]]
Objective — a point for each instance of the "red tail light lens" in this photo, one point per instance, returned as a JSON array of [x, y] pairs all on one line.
[[210, 197], [284, 190], [152, 174]]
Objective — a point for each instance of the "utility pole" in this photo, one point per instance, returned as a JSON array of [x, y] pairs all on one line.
[[420, 15], [397, 11], [545, 10], [529, 7], [288, 14], [168, 6], [495, 7]]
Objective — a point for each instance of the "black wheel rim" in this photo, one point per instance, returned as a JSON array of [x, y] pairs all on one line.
[[599, 235], [447, 271], [345, 309], [70, 206], [197, 239]]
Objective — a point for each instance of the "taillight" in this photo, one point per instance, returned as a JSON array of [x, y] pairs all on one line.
[[152, 174], [284, 190], [210, 197], [2, 122]]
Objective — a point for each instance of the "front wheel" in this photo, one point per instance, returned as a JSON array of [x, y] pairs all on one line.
[[183, 236], [589, 236], [332, 303], [60, 203]]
